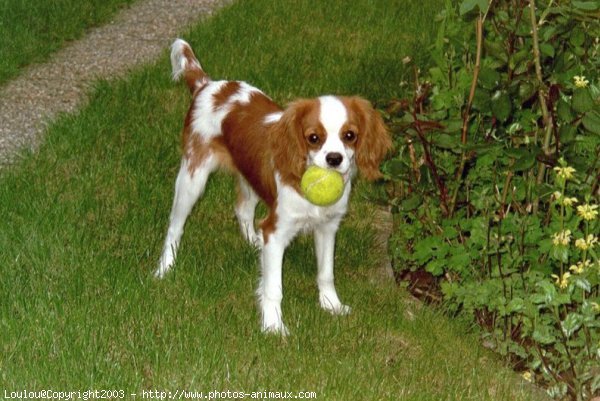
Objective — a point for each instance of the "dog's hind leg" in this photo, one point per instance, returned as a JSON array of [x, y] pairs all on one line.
[[189, 186], [244, 210]]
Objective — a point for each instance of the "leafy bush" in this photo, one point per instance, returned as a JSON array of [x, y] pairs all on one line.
[[495, 183]]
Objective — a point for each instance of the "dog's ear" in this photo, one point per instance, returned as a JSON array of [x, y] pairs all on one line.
[[373, 140], [288, 145]]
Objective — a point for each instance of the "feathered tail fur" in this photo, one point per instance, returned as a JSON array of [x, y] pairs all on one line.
[[186, 65]]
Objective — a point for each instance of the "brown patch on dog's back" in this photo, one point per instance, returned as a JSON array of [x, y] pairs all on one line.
[[227, 91], [247, 139]]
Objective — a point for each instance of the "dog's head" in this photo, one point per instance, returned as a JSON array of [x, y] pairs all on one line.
[[338, 133]]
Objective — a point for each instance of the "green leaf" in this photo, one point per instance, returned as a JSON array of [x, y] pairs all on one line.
[[524, 163], [446, 141], [396, 168], [577, 38], [421, 253], [411, 203], [562, 299], [496, 50], [515, 305], [542, 335], [582, 100], [560, 253], [453, 126], [547, 31], [429, 247], [488, 78], [481, 101], [469, 5], [522, 57], [501, 105], [436, 267], [548, 294], [437, 76], [459, 261], [591, 121], [442, 100], [449, 232], [538, 299], [526, 90], [564, 112], [567, 133], [582, 283], [571, 324], [520, 189], [547, 49], [516, 153], [586, 5]]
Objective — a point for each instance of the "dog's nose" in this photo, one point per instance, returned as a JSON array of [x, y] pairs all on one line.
[[334, 159]]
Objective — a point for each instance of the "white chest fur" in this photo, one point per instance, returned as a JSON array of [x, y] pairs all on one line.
[[295, 213]]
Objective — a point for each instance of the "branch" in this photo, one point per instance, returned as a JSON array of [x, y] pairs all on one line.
[[547, 118], [430, 163], [467, 112]]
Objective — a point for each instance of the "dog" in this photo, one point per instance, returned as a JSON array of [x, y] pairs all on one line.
[[233, 125]]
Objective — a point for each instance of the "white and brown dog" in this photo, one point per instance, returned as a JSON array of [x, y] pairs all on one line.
[[234, 125]]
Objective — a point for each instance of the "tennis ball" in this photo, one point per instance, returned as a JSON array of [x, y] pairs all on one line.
[[321, 186]]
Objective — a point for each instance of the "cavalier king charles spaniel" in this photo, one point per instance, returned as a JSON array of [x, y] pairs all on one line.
[[235, 126]]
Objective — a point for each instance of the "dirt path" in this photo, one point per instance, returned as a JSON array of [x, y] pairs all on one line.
[[136, 35]]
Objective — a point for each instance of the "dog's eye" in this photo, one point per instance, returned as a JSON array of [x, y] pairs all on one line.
[[349, 136], [314, 138]]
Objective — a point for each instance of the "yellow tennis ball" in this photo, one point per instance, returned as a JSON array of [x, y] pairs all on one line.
[[321, 186]]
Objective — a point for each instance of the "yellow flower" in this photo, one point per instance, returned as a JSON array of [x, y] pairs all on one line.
[[587, 211], [580, 267], [565, 172], [586, 243], [561, 238], [564, 200], [580, 81], [563, 281], [527, 376]]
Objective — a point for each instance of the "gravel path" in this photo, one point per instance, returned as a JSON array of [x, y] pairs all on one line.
[[137, 35]]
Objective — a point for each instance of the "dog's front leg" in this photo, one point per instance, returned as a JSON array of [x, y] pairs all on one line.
[[270, 289], [325, 248]]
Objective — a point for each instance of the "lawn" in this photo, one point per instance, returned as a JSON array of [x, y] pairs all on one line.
[[30, 30], [83, 221]]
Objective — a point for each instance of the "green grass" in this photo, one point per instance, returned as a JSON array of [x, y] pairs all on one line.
[[317, 47], [83, 222], [31, 30]]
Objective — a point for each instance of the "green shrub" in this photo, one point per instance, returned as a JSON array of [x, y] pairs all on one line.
[[495, 183]]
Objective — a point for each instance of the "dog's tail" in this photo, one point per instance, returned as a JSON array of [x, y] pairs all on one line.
[[185, 64]]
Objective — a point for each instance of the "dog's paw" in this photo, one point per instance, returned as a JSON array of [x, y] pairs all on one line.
[[163, 267], [160, 272], [342, 310], [276, 329], [252, 237], [272, 322], [334, 306], [339, 310], [257, 240]]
